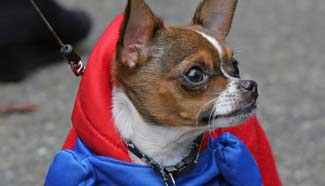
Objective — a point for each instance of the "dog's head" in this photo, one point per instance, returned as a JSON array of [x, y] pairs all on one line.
[[184, 75]]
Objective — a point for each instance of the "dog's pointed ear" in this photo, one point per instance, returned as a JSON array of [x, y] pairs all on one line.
[[216, 16], [136, 33]]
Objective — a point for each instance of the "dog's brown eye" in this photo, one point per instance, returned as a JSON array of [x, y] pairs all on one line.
[[195, 74], [194, 78]]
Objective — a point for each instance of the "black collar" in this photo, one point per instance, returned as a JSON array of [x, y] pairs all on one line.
[[170, 173]]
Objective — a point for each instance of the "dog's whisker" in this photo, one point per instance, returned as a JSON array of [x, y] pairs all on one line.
[[204, 105], [200, 110], [210, 121], [211, 115]]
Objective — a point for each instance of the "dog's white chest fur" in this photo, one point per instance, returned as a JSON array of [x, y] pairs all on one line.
[[167, 146]]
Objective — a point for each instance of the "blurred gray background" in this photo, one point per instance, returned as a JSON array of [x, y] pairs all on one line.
[[282, 47]]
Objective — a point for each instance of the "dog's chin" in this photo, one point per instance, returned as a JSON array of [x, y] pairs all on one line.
[[234, 118]]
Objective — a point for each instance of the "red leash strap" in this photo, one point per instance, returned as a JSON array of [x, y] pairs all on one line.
[[74, 59]]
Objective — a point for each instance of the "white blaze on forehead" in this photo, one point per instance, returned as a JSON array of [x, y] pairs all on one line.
[[217, 45], [213, 41]]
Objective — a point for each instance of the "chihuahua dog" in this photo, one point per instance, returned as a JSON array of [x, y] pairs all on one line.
[[173, 83], [150, 102]]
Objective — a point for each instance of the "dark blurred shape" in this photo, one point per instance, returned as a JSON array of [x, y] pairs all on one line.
[[25, 42]]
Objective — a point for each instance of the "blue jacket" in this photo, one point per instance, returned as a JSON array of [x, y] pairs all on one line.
[[226, 162]]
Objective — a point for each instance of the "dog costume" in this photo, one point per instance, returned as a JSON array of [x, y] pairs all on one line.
[[95, 154]]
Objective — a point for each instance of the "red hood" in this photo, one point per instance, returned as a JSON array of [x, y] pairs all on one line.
[[93, 122]]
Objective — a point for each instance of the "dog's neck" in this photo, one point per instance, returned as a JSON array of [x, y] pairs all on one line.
[[167, 146]]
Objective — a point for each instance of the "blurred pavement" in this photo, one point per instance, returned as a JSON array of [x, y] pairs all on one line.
[[281, 46]]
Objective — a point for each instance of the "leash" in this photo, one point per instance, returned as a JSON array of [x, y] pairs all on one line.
[[67, 51], [170, 173]]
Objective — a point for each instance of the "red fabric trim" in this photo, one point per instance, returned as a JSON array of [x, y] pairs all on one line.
[[104, 141], [70, 140], [92, 117]]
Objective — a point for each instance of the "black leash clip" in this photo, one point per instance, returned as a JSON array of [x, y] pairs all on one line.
[[75, 61], [73, 58]]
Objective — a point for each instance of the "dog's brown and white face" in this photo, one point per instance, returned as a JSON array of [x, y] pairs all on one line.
[[183, 75]]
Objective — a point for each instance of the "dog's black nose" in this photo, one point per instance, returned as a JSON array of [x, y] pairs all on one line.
[[249, 86]]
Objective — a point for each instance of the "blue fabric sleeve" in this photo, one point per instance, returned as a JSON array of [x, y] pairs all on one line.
[[69, 169], [236, 163]]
